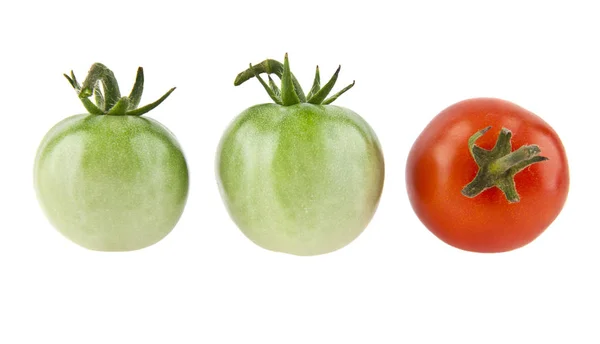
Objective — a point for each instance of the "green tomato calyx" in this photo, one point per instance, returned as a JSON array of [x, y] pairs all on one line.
[[498, 166], [291, 93], [110, 102]]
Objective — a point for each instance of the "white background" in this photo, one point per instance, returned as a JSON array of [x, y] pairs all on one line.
[[205, 282]]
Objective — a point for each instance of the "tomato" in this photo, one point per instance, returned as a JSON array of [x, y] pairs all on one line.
[[486, 175], [299, 176], [111, 180]]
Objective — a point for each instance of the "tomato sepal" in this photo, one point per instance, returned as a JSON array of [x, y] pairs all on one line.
[[291, 92], [110, 102], [498, 166]]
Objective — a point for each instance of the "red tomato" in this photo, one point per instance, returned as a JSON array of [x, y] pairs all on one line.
[[440, 165]]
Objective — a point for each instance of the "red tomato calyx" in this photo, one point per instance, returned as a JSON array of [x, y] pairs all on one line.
[[110, 102], [498, 166], [291, 92]]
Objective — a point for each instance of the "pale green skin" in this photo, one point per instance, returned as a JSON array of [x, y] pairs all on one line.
[[302, 179], [111, 183]]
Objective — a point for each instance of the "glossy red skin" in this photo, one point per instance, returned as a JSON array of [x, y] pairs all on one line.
[[440, 165]]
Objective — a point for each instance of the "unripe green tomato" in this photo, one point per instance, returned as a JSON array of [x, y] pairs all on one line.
[[303, 179], [111, 182]]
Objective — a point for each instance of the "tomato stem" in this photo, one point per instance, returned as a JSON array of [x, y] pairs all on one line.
[[523, 154], [268, 66], [99, 74], [498, 166]]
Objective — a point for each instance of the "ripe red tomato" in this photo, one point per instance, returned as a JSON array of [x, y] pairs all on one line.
[[488, 213]]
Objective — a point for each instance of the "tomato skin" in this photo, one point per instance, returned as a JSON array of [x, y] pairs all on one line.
[[302, 179], [111, 183], [439, 165]]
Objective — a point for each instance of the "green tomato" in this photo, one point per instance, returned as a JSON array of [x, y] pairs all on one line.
[[111, 181], [300, 178]]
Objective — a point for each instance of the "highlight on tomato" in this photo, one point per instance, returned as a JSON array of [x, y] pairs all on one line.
[[487, 175], [299, 176], [109, 179]]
